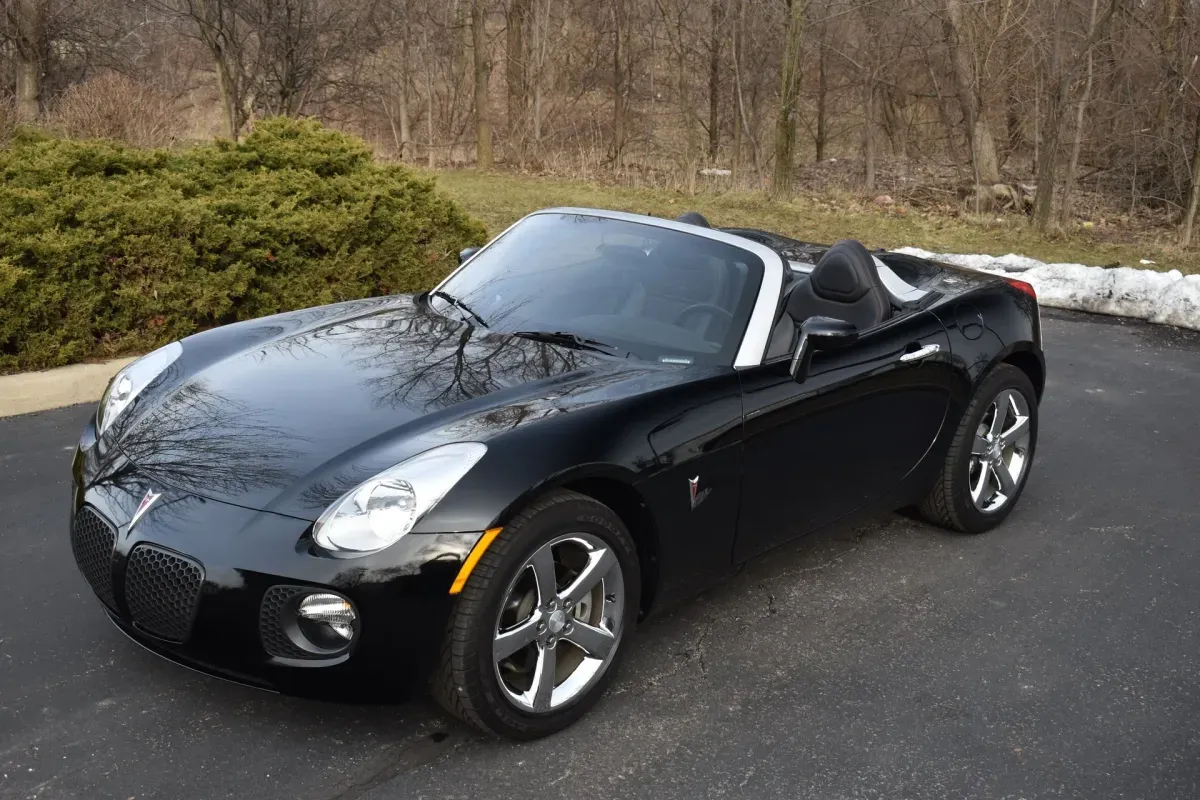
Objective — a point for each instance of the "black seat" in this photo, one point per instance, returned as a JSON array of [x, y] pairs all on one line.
[[693, 218], [844, 285]]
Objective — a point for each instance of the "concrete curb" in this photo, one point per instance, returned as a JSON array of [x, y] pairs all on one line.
[[54, 388]]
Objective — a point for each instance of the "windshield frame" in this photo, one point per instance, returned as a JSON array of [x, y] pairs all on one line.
[[757, 332]]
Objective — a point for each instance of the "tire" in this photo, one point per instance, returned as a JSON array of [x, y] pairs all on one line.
[[949, 502], [466, 680]]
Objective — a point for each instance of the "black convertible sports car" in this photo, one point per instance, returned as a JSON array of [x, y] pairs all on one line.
[[486, 485]]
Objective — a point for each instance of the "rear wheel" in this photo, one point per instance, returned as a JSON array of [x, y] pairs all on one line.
[[989, 460], [537, 631]]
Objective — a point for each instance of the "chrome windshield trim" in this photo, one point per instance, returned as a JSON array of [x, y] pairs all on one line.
[[762, 317]]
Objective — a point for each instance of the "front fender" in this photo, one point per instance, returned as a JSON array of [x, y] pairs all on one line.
[[523, 464]]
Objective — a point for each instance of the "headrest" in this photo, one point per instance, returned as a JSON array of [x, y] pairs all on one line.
[[693, 218], [845, 273]]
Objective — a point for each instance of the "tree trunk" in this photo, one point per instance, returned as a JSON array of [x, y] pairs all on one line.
[[984, 148], [943, 109], [1056, 102], [405, 122], [620, 90], [541, 12], [893, 121], [514, 70], [869, 134], [219, 31], [684, 100], [984, 163], [714, 80], [1037, 118], [430, 152], [1064, 211], [1189, 219], [822, 95], [789, 82], [483, 118], [1047, 173], [31, 50], [229, 103], [738, 24], [1171, 56], [29, 89]]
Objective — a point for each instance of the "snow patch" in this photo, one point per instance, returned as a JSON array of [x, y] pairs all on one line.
[[1164, 297]]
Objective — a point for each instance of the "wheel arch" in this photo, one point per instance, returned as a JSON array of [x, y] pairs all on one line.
[[612, 486], [628, 504], [1025, 358]]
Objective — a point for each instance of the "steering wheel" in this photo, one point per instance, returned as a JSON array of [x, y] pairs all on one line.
[[703, 308]]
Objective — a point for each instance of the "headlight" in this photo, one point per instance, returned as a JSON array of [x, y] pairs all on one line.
[[130, 381], [378, 512]]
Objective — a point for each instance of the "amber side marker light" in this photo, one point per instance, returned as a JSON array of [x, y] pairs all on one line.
[[473, 557]]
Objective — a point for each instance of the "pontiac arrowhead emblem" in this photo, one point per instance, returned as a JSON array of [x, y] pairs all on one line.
[[144, 506]]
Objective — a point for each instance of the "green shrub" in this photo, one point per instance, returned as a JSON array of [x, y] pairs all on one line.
[[106, 249]]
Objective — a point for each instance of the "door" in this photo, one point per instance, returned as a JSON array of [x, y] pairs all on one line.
[[861, 420]]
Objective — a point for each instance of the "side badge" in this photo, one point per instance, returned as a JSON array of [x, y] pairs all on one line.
[[697, 493], [144, 506]]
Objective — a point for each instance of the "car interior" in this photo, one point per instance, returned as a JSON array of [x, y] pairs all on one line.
[[687, 296], [845, 284], [845, 281], [678, 297], [694, 291]]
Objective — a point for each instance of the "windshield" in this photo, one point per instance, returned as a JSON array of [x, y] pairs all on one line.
[[654, 293]]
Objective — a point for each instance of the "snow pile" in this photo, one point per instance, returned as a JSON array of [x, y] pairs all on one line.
[[1164, 297]]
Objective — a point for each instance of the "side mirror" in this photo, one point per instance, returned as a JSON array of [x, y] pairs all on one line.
[[465, 254], [819, 333]]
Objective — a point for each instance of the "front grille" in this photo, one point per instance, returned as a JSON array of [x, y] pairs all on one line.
[[92, 541], [270, 623], [161, 590]]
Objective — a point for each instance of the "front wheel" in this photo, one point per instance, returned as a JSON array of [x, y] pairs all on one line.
[[537, 631], [990, 458]]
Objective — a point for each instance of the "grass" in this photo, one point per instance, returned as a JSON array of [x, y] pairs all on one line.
[[498, 199]]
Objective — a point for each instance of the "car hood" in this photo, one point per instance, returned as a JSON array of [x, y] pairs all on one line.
[[291, 422]]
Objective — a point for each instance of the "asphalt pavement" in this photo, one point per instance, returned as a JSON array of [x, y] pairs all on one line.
[[1058, 656]]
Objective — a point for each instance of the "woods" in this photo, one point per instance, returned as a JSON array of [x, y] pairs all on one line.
[[1029, 105]]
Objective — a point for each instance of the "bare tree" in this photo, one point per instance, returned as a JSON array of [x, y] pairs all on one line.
[[1069, 95], [789, 83], [31, 44], [483, 68], [620, 79], [965, 51], [1189, 217], [52, 44], [230, 43], [821, 134], [1078, 133], [1063, 67], [716, 37], [514, 71]]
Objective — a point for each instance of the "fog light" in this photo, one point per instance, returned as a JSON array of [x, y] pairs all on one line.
[[327, 620]]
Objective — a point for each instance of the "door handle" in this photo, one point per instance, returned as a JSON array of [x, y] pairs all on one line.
[[924, 352]]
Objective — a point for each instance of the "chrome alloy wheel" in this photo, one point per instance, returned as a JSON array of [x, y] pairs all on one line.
[[1000, 452], [560, 623]]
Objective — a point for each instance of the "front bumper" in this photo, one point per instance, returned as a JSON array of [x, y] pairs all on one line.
[[200, 582]]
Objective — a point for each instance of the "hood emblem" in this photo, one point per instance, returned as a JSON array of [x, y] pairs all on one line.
[[697, 493], [144, 506]]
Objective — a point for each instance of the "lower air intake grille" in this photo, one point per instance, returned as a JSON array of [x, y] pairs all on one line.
[[161, 590], [270, 623], [92, 541]]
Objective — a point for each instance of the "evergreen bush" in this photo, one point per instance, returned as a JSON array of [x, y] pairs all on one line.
[[107, 249]]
